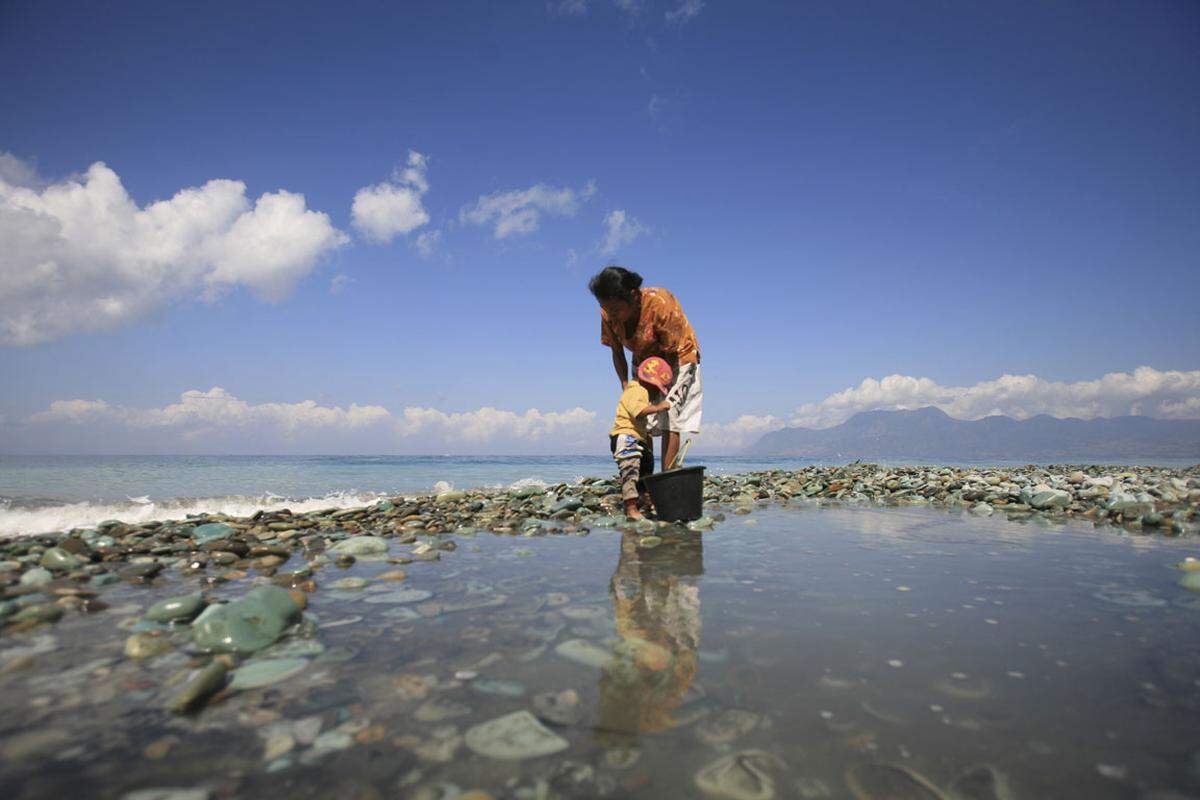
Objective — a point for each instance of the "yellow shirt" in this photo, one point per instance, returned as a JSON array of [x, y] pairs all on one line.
[[633, 399]]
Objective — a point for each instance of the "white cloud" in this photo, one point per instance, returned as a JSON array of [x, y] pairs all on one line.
[[427, 242], [686, 10], [393, 208], [519, 212], [216, 411], [632, 7], [736, 435], [215, 408], [81, 255], [487, 424], [620, 229], [1146, 391]]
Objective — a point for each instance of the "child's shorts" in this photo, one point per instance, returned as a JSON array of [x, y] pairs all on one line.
[[634, 460]]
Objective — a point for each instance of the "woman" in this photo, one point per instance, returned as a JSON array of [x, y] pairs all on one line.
[[650, 322]]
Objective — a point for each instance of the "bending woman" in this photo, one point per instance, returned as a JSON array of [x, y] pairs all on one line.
[[650, 322]]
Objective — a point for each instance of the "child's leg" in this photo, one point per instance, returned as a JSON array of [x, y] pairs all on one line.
[[628, 469]]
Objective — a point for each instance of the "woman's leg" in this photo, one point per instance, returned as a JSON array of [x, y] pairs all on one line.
[[670, 447]]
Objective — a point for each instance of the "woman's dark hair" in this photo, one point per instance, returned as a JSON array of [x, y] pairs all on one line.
[[614, 283]]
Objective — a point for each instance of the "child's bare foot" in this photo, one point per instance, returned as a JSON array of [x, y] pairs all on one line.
[[631, 510]]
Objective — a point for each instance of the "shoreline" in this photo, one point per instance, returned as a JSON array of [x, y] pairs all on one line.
[[1158, 500]]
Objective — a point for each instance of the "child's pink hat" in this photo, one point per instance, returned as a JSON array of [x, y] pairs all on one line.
[[656, 371]]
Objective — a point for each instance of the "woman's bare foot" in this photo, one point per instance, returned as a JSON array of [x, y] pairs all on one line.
[[631, 510]]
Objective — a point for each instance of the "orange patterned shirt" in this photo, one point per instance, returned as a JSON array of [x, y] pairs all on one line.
[[662, 330]]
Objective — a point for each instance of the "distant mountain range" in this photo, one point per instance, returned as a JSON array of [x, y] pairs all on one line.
[[931, 434]]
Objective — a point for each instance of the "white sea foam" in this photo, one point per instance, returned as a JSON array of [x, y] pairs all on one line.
[[21, 521], [521, 484]]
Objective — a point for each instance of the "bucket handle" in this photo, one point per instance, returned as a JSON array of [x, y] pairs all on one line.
[[678, 460]]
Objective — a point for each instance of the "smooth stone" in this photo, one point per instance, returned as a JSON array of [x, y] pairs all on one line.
[[567, 504], [513, 737], [176, 609], [41, 612], [360, 546], [399, 596], [57, 558], [263, 672], [211, 532], [981, 782], [740, 776], [36, 577], [581, 651], [499, 688], [1043, 497], [1190, 581], [204, 683], [649, 542], [450, 496], [348, 583], [296, 648], [248, 624], [558, 708], [144, 645], [890, 781], [730, 724], [982, 509]]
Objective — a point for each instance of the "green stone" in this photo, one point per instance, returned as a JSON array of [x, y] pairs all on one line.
[[1191, 581], [211, 532], [57, 558], [248, 624], [36, 577], [360, 546], [266, 671], [176, 609]]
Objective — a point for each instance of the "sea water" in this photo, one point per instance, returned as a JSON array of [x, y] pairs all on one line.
[[39, 494], [793, 653]]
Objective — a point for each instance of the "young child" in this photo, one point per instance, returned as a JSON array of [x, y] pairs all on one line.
[[629, 440]]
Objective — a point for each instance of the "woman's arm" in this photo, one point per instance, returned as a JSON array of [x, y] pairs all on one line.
[[620, 364]]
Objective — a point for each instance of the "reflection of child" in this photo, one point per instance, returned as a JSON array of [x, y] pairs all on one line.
[[629, 439]]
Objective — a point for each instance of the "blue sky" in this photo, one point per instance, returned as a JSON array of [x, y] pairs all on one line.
[[996, 203]]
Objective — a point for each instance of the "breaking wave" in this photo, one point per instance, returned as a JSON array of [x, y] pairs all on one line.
[[31, 518]]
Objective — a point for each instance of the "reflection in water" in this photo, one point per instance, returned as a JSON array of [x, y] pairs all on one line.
[[656, 602]]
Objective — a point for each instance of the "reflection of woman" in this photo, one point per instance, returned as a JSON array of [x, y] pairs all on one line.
[[656, 600], [650, 322]]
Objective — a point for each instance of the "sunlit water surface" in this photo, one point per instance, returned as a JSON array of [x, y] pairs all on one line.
[[1064, 658]]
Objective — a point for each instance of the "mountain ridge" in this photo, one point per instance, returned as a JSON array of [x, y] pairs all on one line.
[[930, 433]]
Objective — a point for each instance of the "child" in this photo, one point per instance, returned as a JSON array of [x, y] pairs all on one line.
[[629, 439]]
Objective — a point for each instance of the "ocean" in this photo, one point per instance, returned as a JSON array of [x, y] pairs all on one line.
[[39, 494]]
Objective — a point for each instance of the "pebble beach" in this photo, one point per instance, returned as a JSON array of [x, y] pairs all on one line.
[[417, 627]]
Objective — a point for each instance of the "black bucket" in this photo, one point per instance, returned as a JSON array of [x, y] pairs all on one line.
[[678, 494]]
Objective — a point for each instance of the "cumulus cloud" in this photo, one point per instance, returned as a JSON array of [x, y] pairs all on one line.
[[685, 11], [519, 212], [620, 229], [215, 408], [393, 208], [738, 434], [217, 411], [1146, 391], [486, 424], [80, 254]]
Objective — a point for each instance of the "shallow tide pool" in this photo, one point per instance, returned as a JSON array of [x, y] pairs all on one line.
[[820, 653]]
